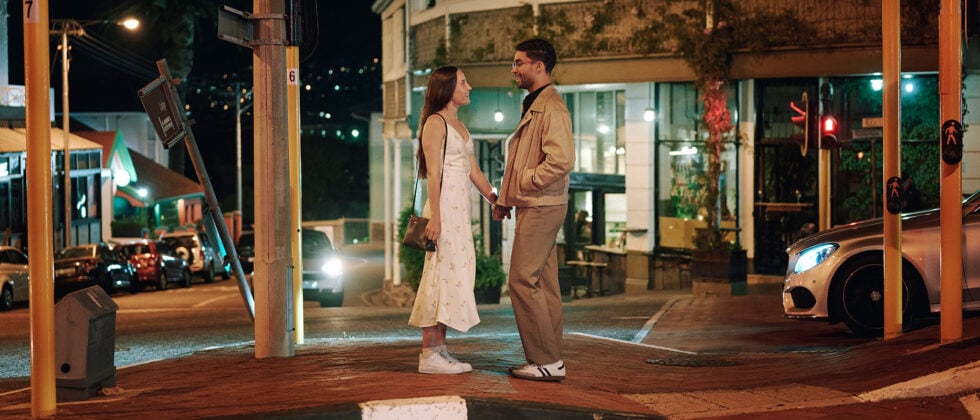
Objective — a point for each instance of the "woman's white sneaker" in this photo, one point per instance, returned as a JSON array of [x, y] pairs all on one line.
[[438, 364]]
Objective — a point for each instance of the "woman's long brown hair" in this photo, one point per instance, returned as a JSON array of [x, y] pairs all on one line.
[[442, 86]]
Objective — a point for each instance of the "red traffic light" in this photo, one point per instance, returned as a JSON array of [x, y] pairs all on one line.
[[828, 126], [828, 131]]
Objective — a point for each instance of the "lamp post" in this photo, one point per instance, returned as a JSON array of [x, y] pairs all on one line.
[[74, 28], [239, 109]]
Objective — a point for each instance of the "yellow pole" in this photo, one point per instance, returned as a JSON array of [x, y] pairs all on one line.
[[39, 228], [891, 69], [823, 162], [950, 187], [295, 185]]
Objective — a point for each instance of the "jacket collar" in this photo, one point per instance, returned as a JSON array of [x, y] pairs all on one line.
[[538, 104]]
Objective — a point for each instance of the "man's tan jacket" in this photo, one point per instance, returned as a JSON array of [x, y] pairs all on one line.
[[540, 154]]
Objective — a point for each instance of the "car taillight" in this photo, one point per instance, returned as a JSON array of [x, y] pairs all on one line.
[[87, 266]]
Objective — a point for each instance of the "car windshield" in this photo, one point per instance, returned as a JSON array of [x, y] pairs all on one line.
[[186, 241], [77, 252], [134, 249], [164, 248], [315, 244]]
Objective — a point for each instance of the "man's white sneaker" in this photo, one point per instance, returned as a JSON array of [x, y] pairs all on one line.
[[438, 364], [552, 372]]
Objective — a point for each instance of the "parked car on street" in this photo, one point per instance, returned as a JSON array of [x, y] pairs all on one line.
[[82, 266], [246, 251], [198, 250], [838, 274], [14, 273], [156, 263], [323, 267]]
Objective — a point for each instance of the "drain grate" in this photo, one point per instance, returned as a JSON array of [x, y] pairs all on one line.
[[693, 362]]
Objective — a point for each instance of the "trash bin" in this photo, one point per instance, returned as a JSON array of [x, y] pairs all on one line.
[[85, 340]]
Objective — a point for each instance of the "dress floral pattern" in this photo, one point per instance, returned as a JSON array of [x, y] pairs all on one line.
[[445, 293]]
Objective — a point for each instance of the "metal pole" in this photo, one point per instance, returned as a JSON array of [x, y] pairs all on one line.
[[209, 197], [891, 69], [388, 208], [272, 250], [950, 188], [37, 80], [65, 123], [396, 278], [238, 148]]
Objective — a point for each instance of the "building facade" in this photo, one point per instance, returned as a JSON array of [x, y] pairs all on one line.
[[637, 115]]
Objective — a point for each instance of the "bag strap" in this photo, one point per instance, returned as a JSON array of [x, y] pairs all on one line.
[[442, 168]]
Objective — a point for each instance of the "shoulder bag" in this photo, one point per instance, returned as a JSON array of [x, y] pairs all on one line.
[[415, 231]]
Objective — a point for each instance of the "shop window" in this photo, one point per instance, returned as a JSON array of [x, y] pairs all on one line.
[[681, 168], [599, 128]]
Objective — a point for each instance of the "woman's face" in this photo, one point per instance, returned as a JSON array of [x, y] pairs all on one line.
[[462, 94]]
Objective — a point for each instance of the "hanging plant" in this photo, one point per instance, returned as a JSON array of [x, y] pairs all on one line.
[[705, 40]]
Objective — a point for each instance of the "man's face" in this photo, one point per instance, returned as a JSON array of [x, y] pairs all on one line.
[[525, 70]]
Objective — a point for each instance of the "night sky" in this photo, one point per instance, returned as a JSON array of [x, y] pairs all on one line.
[[349, 35]]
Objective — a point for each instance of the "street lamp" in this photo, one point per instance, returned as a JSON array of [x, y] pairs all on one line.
[[74, 28]]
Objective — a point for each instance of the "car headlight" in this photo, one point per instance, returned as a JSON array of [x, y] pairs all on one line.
[[812, 256], [333, 267]]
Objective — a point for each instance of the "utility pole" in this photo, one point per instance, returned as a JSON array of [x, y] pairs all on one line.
[[273, 266], [37, 79], [951, 182], [891, 71]]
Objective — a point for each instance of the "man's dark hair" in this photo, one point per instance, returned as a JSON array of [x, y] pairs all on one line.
[[540, 50]]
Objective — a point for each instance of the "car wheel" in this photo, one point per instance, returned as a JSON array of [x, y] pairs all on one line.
[[186, 278], [135, 286], [6, 299], [860, 295], [337, 299], [209, 273], [162, 281], [107, 284]]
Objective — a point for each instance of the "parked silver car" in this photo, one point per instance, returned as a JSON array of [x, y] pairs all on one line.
[[14, 273], [838, 274]]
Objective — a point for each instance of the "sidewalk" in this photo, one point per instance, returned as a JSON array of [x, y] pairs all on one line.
[[706, 357]]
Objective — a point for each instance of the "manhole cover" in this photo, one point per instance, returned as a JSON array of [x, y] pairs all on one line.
[[693, 362]]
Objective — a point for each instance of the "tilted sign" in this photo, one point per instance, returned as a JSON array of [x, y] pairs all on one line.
[[161, 106]]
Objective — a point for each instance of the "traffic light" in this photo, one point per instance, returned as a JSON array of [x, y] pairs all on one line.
[[828, 131], [802, 120]]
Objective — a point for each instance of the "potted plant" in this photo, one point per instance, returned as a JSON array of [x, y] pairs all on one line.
[[705, 40], [490, 276]]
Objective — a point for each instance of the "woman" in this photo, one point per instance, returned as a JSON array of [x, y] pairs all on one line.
[[445, 295]]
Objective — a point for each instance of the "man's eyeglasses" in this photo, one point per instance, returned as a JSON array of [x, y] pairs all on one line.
[[518, 63]]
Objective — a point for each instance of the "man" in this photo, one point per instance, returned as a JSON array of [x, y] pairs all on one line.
[[540, 154]]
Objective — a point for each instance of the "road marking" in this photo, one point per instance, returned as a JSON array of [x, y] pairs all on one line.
[[634, 343], [209, 301], [642, 333]]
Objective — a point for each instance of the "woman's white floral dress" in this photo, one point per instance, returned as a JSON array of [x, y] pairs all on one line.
[[445, 293]]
